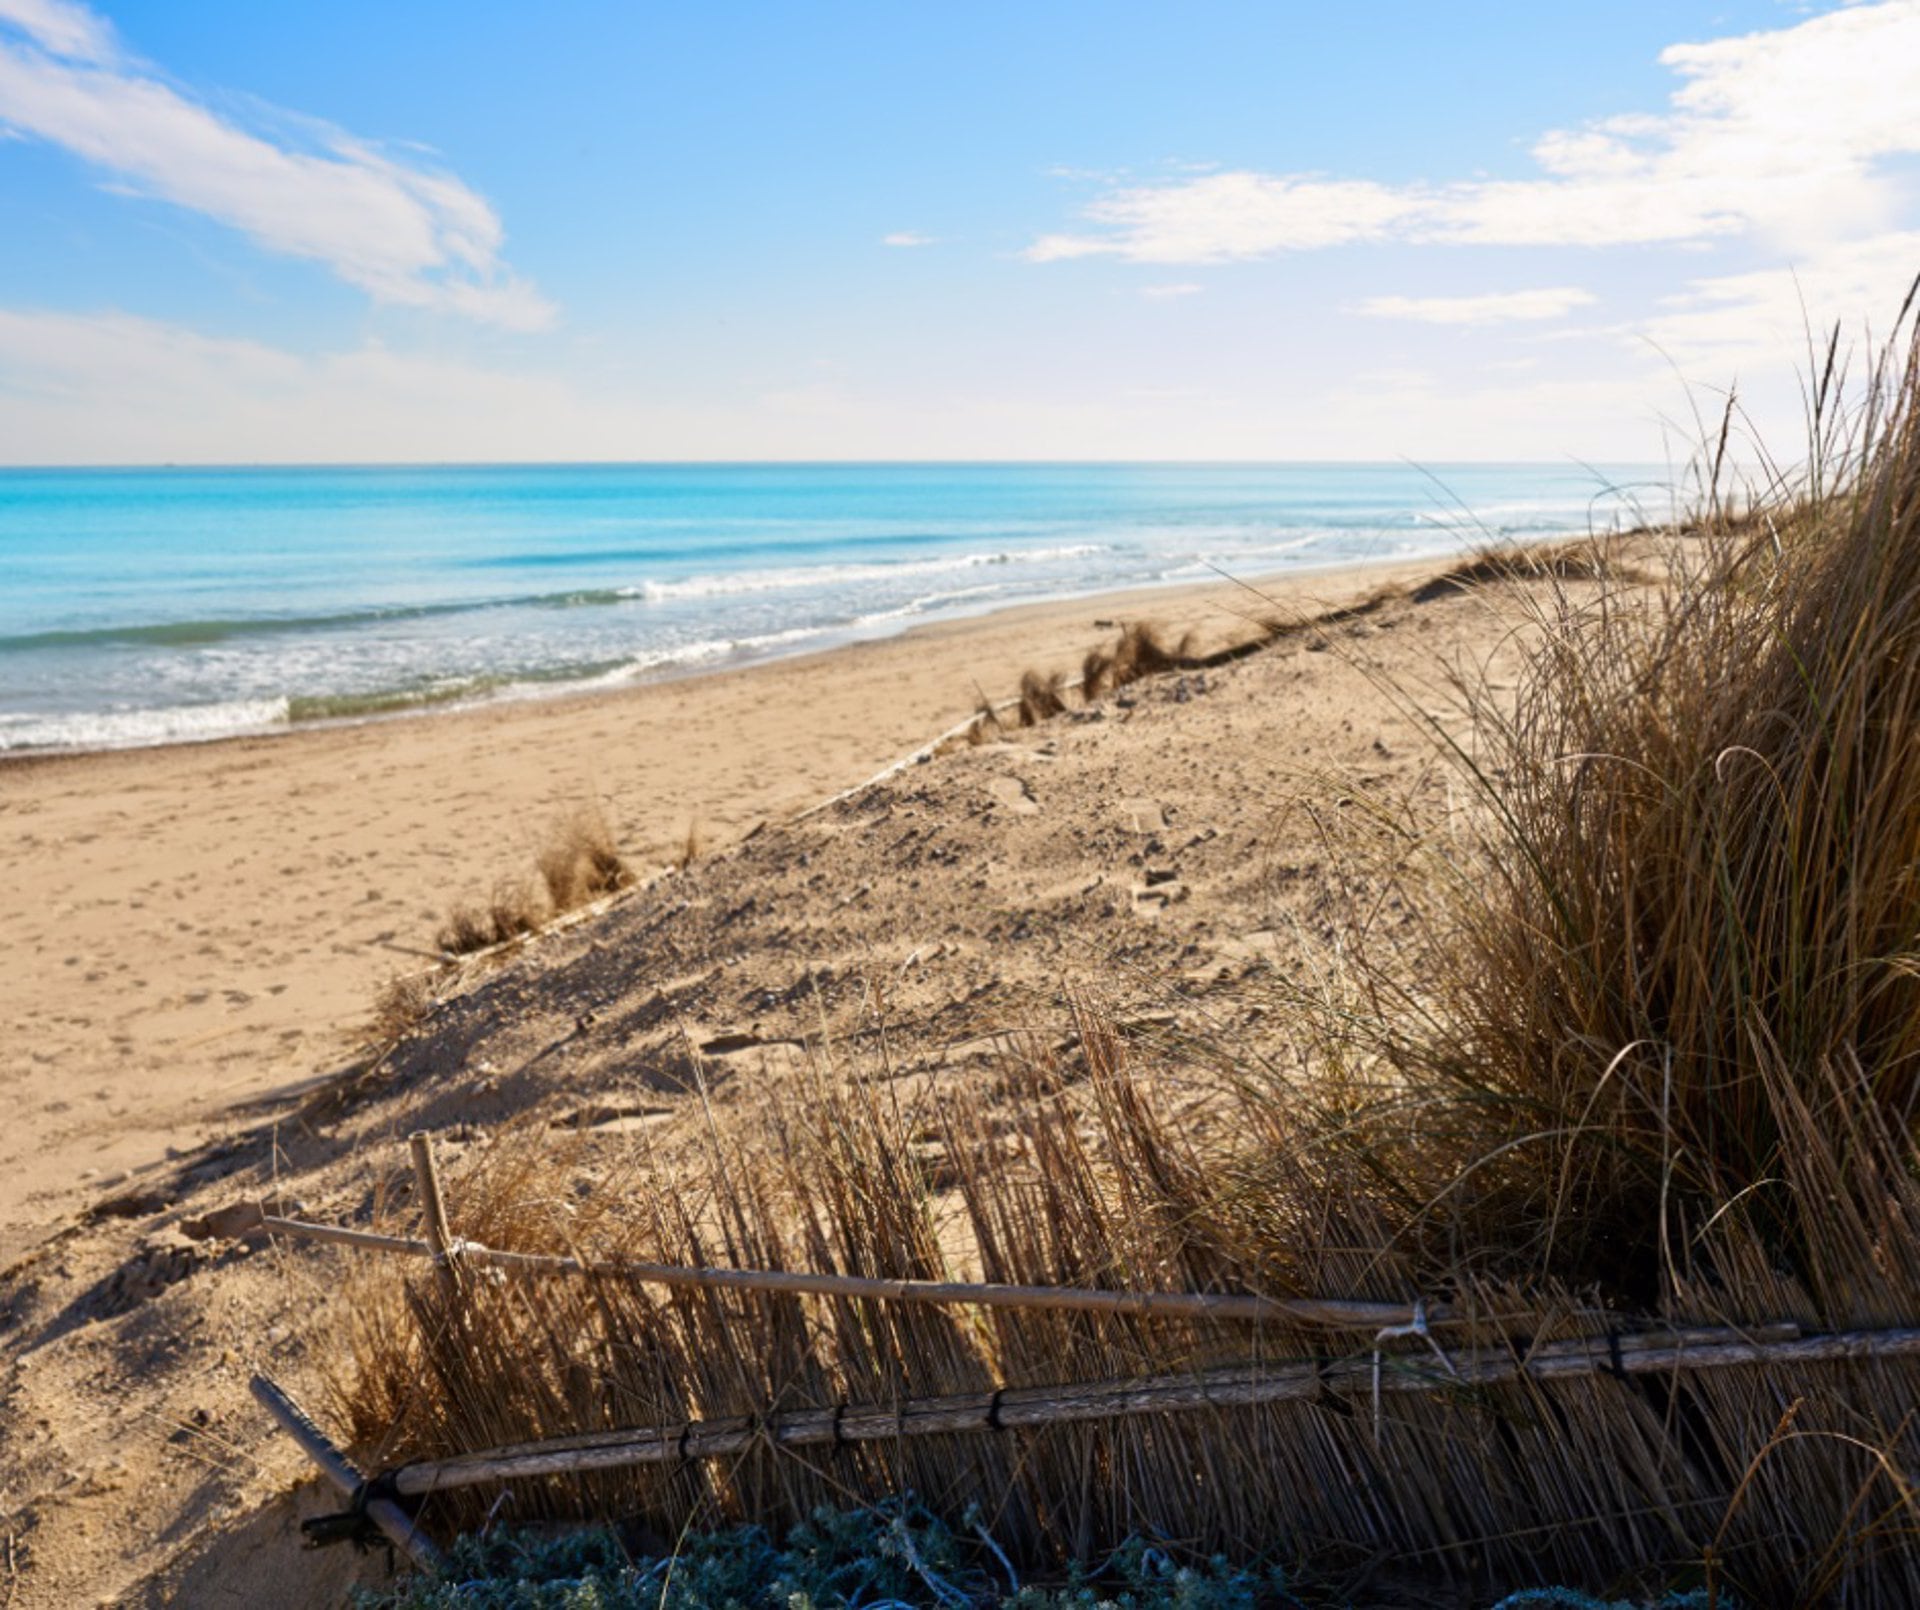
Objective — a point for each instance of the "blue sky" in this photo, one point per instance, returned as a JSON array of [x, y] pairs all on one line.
[[235, 232]]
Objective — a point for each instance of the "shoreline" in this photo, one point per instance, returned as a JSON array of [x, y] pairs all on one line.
[[203, 927], [594, 687]]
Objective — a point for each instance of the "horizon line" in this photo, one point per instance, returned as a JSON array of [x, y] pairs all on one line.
[[1396, 462]]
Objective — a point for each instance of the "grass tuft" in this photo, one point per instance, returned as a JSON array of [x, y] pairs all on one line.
[[1141, 651], [581, 862], [1041, 697], [400, 1006], [467, 929], [1096, 674], [578, 864], [1664, 978]]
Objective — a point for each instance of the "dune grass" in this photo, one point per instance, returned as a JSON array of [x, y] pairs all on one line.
[[400, 1006], [1041, 697], [1640, 1046], [578, 863], [1672, 950]]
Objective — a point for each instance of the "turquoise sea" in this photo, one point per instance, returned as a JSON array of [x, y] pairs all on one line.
[[148, 606]]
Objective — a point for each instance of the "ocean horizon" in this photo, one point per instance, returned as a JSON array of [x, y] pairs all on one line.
[[156, 605]]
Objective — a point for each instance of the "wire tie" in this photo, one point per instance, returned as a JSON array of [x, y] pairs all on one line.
[[1417, 1328]]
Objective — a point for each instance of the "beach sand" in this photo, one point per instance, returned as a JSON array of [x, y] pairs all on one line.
[[199, 933], [201, 928]]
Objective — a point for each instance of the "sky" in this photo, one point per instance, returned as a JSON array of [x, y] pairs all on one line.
[[449, 230]]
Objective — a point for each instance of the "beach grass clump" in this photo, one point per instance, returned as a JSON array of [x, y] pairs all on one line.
[[1667, 979], [515, 908], [1042, 697], [578, 864], [401, 1005], [581, 861], [468, 928], [1096, 674], [1141, 650]]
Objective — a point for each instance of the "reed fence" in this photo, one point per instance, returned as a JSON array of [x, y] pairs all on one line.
[[388, 1502]]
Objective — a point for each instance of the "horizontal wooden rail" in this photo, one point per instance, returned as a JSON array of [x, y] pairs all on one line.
[[1333, 1311], [1031, 1408]]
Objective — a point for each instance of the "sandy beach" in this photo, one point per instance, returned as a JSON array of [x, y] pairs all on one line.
[[201, 929], [205, 928]]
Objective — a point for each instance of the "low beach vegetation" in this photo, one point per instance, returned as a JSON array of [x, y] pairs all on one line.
[[578, 864]]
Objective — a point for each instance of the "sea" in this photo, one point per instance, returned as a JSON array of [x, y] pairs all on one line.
[[163, 605]]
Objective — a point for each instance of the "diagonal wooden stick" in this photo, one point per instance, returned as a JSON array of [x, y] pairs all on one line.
[[395, 1524]]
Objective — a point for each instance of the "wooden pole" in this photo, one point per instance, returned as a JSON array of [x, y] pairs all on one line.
[[440, 1241], [1334, 1311], [1036, 1407], [395, 1524]]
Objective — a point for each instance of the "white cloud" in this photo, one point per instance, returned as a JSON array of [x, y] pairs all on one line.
[[1783, 135], [1167, 293], [1731, 324], [61, 27], [1500, 307], [115, 388], [402, 232], [1225, 216], [906, 237]]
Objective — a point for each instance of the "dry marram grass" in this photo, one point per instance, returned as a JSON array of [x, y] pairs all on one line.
[[400, 1006], [579, 863]]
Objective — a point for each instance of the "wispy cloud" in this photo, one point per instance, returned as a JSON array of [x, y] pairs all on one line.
[[1782, 134], [906, 237], [399, 230], [1499, 307], [1733, 323], [1169, 293], [1226, 216], [61, 27], [115, 388]]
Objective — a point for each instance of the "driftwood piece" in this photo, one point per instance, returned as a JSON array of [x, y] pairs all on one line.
[[395, 1524]]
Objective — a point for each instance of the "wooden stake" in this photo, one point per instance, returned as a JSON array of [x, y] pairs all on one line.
[[440, 1241], [1036, 1407], [395, 1524]]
